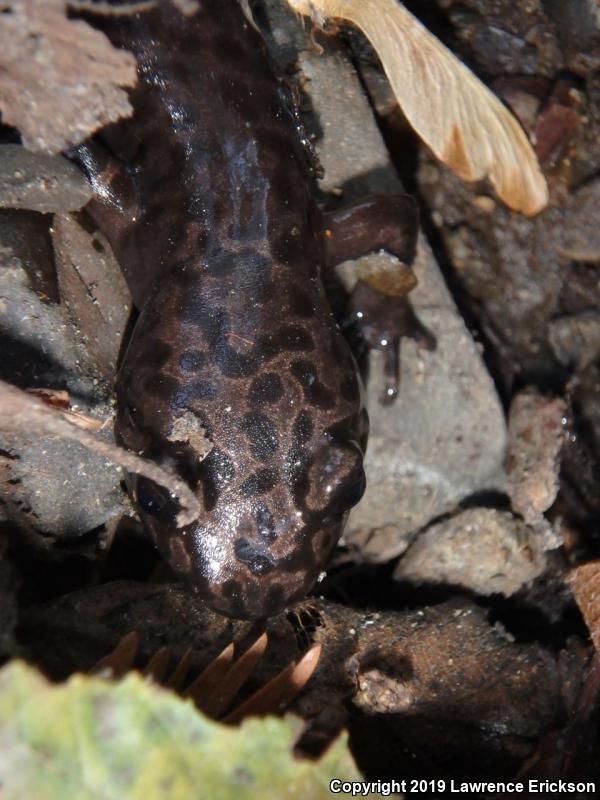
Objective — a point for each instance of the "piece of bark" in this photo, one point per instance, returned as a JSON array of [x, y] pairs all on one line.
[[93, 291], [575, 338], [581, 240], [585, 584], [59, 78]]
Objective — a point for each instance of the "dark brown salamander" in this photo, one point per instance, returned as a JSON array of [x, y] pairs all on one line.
[[214, 225]]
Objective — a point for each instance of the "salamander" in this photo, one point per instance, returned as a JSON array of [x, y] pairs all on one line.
[[205, 195]]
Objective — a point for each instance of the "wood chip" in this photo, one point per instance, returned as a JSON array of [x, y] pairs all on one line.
[[585, 584]]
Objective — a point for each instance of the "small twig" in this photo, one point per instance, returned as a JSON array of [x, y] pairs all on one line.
[[59, 398], [106, 9], [26, 415]]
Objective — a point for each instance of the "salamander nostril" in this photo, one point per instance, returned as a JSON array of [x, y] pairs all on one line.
[[259, 562]]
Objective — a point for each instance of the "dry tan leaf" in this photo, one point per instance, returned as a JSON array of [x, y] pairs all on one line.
[[59, 78], [465, 125]]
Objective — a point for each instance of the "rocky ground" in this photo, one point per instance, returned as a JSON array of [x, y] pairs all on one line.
[[459, 615]]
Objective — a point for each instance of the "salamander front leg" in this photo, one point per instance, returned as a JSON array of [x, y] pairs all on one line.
[[380, 222], [115, 201], [382, 321], [379, 307]]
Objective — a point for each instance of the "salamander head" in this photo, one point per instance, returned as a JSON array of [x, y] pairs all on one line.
[[263, 540], [278, 397]]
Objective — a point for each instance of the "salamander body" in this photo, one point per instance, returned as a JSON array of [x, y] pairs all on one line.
[[216, 231]]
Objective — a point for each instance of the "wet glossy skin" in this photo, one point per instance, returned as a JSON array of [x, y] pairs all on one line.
[[216, 232]]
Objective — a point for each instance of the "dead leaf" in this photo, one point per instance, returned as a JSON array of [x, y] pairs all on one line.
[[59, 78]]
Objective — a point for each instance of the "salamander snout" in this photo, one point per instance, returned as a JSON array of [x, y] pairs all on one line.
[[252, 556]]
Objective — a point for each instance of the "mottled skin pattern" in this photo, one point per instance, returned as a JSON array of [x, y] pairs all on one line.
[[235, 334]]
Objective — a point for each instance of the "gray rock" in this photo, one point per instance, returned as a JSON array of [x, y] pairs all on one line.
[[40, 182], [576, 21], [484, 550], [575, 338], [444, 439], [56, 486], [581, 236], [38, 329], [64, 489]]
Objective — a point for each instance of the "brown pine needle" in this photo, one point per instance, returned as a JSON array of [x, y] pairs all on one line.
[[209, 678], [301, 674], [180, 672], [158, 665], [121, 659], [280, 690], [239, 672], [217, 685]]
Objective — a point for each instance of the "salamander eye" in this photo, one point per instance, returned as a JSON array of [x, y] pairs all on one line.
[[336, 479], [356, 490], [148, 501], [154, 500]]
